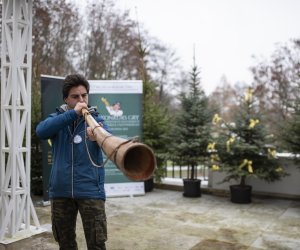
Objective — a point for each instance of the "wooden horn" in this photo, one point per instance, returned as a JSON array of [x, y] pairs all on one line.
[[134, 159]]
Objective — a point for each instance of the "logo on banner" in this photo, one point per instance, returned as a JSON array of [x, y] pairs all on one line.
[[114, 109]]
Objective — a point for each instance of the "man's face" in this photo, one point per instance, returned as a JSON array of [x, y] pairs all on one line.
[[77, 94]]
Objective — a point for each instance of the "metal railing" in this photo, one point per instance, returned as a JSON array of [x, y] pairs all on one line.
[[182, 172]]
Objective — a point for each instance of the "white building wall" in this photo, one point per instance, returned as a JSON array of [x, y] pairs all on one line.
[[289, 186]]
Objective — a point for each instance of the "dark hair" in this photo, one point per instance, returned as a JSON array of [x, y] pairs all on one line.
[[74, 80]]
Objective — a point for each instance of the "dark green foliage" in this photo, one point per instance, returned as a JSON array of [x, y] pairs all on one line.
[[156, 120], [156, 124], [293, 133], [244, 148], [191, 130], [290, 134]]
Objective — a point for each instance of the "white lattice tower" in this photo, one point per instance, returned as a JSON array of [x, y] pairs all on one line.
[[16, 207]]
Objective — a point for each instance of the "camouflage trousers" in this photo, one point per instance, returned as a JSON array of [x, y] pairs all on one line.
[[64, 215]]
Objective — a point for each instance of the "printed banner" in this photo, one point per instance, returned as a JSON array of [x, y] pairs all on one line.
[[120, 104]]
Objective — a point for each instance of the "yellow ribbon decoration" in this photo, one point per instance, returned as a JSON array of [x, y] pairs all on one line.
[[272, 152], [229, 142], [253, 123], [214, 157], [215, 167], [216, 119], [249, 94], [248, 164], [211, 146], [250, 169]]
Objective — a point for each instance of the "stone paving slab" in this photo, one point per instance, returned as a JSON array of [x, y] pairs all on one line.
[[164, 220]]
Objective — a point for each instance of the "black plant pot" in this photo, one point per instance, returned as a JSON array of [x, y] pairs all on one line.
[[241, 194], [191, 188], [149, 185]]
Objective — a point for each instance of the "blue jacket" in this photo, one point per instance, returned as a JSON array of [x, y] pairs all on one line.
[[73, 175]]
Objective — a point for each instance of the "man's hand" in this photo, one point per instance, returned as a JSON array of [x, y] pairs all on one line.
[[79, 106], [91, 136]]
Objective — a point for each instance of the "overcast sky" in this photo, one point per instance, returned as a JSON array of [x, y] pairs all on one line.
[[226, 33]]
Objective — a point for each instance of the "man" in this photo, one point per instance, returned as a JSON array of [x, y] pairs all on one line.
[[75, 184]]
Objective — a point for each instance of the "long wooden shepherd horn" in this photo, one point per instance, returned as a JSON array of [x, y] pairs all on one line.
[[136, 160]]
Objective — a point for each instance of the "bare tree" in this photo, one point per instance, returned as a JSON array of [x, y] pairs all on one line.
[[109, 44], [225, 99], [277, 83], [164, 68], [56, 26]]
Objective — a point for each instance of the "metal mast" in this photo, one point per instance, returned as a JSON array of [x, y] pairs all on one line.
[[16, 207]]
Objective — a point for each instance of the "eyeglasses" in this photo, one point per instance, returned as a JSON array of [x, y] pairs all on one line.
[[78, 96]]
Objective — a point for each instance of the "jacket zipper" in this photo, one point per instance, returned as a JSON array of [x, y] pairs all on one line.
[[72, 136], [72, 180], [72, 171]]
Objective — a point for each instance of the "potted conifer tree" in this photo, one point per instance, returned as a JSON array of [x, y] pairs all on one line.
[[244, 149], [156, 125], [191, 133]]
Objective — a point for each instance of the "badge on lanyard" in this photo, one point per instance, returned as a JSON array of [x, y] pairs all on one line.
[[77, 139]]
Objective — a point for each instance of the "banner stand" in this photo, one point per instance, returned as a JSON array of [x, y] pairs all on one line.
[[120, 104]]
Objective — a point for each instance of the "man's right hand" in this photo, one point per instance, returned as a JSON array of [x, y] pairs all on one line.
[[79, 106]]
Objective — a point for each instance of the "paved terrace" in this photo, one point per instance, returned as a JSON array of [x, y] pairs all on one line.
[[165, 220]]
